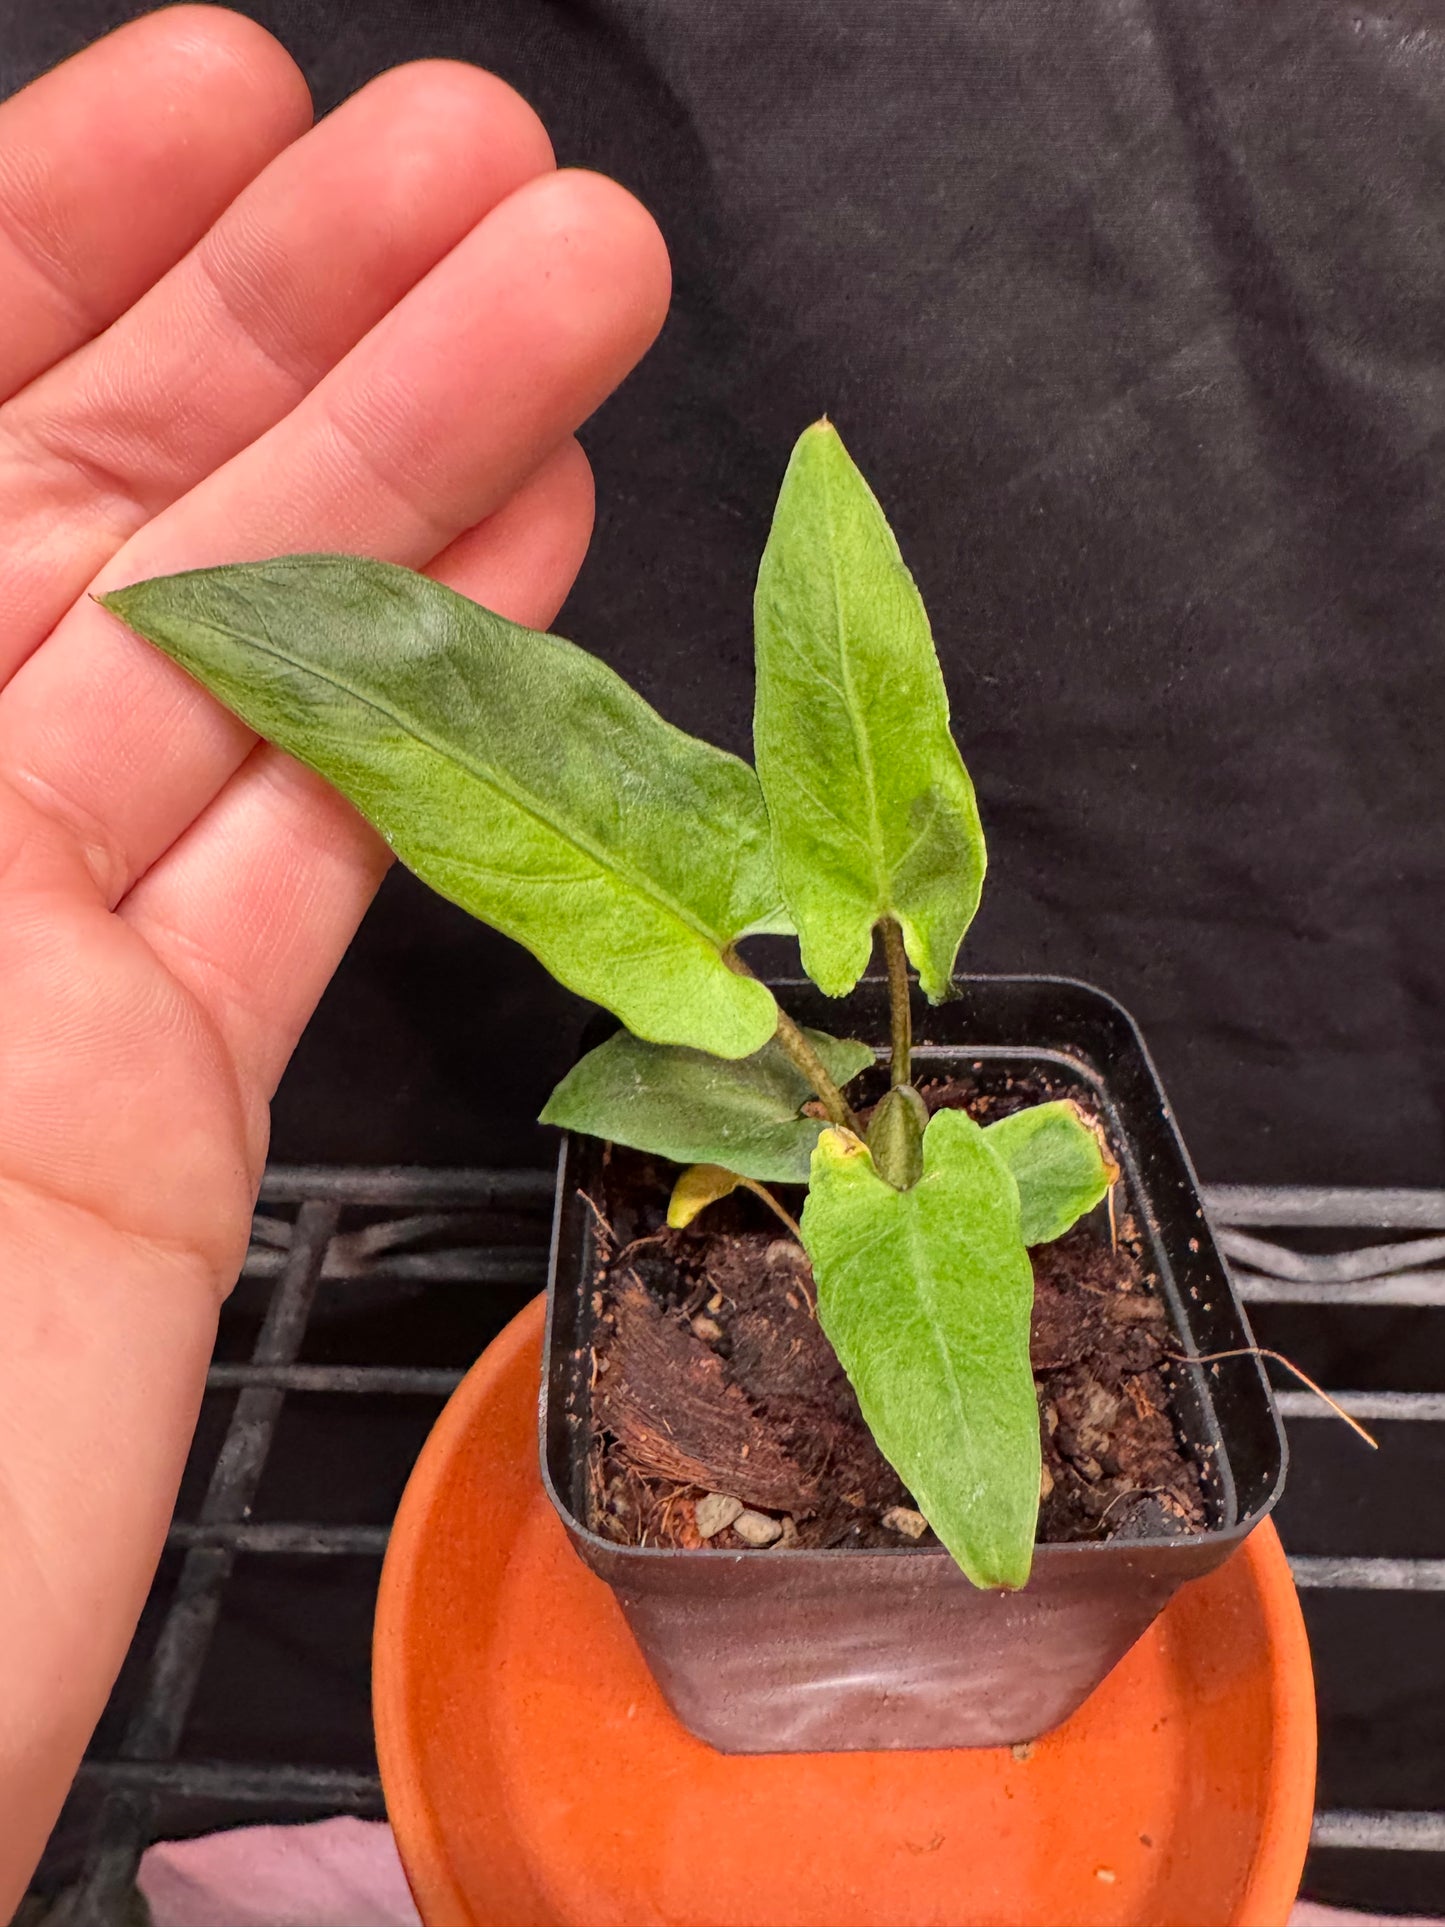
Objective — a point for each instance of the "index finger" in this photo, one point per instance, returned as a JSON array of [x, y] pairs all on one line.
[[117, 161]]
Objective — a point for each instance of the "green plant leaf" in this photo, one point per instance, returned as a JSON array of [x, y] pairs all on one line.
[[512, 771], [873, 812], [925, 1296], [698, 1109], [1060, 1162]]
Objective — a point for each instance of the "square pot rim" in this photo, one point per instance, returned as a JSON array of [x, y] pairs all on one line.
[[1047, 1552]]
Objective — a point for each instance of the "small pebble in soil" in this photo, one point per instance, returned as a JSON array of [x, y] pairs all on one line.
[[902, 1518], [757, 1529], [714, 1512], [708, 1329]]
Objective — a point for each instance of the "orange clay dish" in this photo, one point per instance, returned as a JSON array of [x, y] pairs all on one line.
[[536, 1779]]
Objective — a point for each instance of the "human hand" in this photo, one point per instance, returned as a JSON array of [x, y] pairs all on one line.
[[222, 336]]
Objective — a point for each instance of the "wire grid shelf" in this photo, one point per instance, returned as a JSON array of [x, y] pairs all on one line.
[[487, 1229]]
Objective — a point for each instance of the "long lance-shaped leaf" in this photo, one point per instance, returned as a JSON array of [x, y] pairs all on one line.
[[512, 771], [925, 1296], [1060, 1162], [697, 1109], [873, 812]]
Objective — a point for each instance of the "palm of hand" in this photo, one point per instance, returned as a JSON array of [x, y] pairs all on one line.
[[221, 336]]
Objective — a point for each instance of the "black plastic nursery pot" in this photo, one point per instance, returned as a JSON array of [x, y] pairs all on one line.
[[835, 1650]]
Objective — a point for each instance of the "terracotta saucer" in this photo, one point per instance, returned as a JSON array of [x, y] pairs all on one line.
[[535, 1778]]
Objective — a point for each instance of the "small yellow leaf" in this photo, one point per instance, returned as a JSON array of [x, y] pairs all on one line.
[[699, 1186]]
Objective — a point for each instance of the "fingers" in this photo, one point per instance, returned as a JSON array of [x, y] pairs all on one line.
[[451, 401], [116, 162], [313, 253], [253, 907], [521, 561], [423, 430]]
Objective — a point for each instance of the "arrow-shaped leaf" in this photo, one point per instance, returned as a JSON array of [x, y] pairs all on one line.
[[512, 771], [925, 1296], [698, 1109], [873, 812]]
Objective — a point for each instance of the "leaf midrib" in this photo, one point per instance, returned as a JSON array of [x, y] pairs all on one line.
[[882, 895], [489, 780], [921, 1270]]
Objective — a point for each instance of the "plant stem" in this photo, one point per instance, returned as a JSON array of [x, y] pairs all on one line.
[[901, 1067], [762, 1191], [813, 1068], [806, 1058]]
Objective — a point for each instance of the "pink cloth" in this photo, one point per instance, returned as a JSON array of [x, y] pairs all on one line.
[[333, 1873], [345, 1873], [1308, 1913]]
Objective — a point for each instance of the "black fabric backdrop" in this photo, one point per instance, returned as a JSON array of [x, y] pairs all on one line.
[[1133, 313]]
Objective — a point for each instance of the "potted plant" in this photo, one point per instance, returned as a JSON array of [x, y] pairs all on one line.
[[809, 1444]]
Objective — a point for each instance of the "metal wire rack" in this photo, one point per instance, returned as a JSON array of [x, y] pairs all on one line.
[[1324, 1281]]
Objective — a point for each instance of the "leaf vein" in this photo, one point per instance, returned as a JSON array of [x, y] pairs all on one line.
[[874, 842], [606, 861]]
